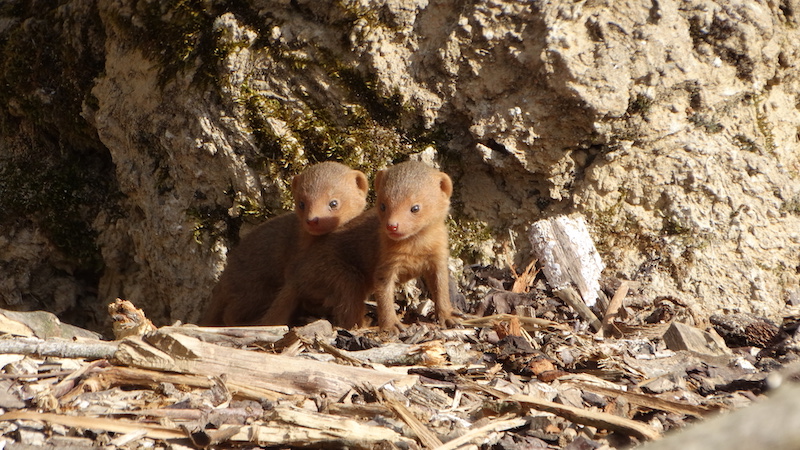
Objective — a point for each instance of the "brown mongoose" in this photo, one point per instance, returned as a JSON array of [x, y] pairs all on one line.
[[413, 200], [334, 278], [404, 237], [326, 196]]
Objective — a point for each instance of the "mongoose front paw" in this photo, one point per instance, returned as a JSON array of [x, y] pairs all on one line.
[[452, 322], [393, 327]]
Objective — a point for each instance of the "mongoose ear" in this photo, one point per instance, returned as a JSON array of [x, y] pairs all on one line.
[[379, 179], [296, 182], [446, 185], [361, 181]]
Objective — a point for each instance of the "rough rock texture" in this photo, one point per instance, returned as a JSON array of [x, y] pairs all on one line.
[[140, 138]]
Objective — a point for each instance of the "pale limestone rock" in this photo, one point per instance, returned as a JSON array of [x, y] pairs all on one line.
[[671, 126]]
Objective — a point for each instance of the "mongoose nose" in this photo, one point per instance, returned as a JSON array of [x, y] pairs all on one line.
[[392, 227], [313, 221]]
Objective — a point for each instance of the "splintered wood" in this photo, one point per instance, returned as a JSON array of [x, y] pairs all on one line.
[[500, 382], [566, 251]]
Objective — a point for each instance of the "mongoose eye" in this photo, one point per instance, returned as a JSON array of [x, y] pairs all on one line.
[[334, 204], [301, 205], [415, 209], [383, 206]]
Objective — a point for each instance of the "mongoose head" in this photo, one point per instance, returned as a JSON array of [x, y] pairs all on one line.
[[328, 195], [410, 197]]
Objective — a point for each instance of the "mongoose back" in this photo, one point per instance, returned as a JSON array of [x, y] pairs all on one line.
[[326, 196], [404, 237]]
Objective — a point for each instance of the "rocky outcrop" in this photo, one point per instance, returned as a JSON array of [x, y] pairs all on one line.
[[173, 126]]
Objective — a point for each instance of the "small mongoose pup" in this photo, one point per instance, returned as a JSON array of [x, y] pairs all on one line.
[[413, 200], [403, 237], [326, 196]]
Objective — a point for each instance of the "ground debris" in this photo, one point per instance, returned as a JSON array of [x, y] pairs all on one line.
[[505, 380]]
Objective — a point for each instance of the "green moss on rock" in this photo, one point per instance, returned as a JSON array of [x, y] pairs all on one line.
[[467, 238], [63, 195]]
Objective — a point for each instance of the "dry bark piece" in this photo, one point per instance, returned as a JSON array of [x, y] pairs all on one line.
[[650, 401], [423, 433], [741, 330], [523, 281], [577, 415], [320, 330], [232, 336], [14, 327], [507, 328], [501, 424], [292, 427]]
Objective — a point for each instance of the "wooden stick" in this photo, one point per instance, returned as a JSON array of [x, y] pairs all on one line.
[[529, 323], [613, 307], [152, 378], [291, 427], [97, 423], [571, 298], [649, 401], [231, 336], [61, 348], [592, 418]]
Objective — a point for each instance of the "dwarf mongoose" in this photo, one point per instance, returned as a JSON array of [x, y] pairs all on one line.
[[326, 196], [404, 237], [413, 200]]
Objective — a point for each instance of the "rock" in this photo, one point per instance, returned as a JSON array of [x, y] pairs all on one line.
[[140, 143], [680, 336]]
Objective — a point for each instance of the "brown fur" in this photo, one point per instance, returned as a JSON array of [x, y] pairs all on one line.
[[334, 278], [255, 271], [413, 201], [385, 245]]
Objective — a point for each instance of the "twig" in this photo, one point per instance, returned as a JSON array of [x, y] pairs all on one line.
[[97, 423], [340, 354], [649, 401], [592, 418], [61, 348], [529, 323], [570, 297], [144, 377], [65, 385], [613, 307]]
